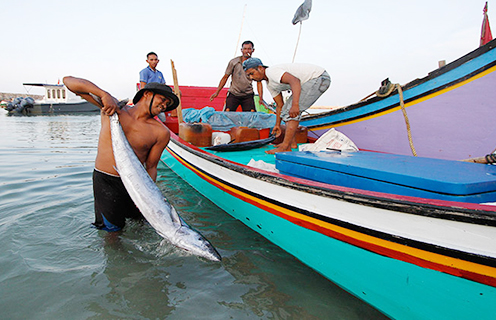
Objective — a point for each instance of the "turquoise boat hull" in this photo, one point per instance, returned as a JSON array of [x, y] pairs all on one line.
[[370, 264]]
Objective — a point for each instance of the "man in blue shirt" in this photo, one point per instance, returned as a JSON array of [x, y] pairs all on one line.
[[150, 73]]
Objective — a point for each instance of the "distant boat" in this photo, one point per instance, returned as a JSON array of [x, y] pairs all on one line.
[[450, 111], [57, 99]]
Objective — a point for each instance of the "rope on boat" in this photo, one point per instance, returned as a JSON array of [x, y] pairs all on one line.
[[385, 90], [402, 104], [491, 158], [488, 159]]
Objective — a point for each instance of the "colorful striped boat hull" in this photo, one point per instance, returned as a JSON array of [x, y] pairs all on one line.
[[411, 258]]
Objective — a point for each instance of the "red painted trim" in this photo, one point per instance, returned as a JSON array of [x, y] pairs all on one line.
[[385, 196], [491, 281]]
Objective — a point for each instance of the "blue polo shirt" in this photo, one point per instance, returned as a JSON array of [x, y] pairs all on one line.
[[147, 75]]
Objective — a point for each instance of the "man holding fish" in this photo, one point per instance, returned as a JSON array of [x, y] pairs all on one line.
[[112, 203], [130, 140]]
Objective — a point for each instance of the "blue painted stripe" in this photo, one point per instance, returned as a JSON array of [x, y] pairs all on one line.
[[433, 84], [401, 290]]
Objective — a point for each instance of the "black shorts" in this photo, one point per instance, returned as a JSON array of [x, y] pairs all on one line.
[[112, 202], [247, 102]]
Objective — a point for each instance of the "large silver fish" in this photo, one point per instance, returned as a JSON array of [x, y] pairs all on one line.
[[150, 201]]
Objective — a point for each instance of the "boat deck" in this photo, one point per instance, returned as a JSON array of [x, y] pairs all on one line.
[[243, 157], [404, 175]]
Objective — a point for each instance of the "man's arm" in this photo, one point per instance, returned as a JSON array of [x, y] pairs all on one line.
[[222, 83], [295, 85], [260, 91], [279, 104], [83, 88], [143, 76], [156, 152]]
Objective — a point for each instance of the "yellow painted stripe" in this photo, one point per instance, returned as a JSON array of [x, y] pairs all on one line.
[[414, 252], [411, 103]]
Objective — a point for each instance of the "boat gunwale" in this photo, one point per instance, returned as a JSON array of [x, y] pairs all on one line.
[[412, 84], [387, 107], [440, 209], [299, 214]]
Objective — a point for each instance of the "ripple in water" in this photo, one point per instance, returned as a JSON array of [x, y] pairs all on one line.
[[55, 266]]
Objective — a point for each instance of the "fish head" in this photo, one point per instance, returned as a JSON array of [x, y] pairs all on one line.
[[192, 241]]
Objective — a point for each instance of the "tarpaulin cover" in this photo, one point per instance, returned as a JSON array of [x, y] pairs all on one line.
[[224, 121]]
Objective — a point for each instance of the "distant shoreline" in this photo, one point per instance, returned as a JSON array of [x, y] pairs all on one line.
[[325, 107], [10, 96]]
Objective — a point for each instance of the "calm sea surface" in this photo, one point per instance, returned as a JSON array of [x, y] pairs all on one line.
[[55, 266]]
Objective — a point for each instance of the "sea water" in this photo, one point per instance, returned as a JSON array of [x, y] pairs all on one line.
[[54, 265]]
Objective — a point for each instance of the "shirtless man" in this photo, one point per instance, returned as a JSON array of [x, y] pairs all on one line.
[[147, 137]]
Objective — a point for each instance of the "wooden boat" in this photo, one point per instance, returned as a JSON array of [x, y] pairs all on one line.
[[450, 113], [195, 96], [411, 257], [57, 99]]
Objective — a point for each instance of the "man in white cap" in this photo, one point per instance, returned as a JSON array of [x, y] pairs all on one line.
[[307, 83]]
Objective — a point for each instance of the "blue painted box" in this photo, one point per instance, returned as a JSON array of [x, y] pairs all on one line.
[[397, 174]]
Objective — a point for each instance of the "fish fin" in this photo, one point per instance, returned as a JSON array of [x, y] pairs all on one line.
[[176, 219]]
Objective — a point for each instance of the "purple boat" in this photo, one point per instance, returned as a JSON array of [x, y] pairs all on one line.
[[450, 113]]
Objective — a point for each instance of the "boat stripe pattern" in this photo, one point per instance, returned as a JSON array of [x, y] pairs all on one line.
[[411, 102], [477, 268]]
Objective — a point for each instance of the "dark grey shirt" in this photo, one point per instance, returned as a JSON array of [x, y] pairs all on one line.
[[240, 84]]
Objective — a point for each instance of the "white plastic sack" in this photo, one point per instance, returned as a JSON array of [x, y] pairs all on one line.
[[220, 138], [260, 164], [331, 140]]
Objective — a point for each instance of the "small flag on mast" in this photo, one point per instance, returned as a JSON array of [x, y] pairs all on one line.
[[303, 12], [486, 35]]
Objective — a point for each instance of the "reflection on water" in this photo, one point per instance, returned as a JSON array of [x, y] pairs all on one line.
[[55, 266]]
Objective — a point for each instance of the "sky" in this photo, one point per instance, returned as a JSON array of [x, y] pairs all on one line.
[[359, 42]]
